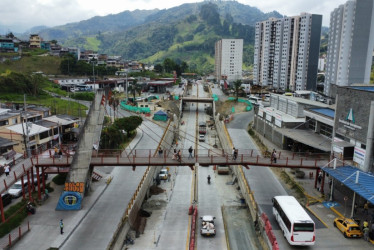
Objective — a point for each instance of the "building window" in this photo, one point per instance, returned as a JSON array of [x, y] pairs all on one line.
[[326, 130]]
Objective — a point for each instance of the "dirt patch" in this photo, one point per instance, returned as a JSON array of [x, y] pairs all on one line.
[[172, 105], [154, 190], [154, 205], [225, 108]]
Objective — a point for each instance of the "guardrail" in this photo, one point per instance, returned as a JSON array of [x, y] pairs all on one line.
[[14, 236]]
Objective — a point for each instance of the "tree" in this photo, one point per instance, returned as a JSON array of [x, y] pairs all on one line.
[[128, 124], [135, 89], [169, 65], [237, 87], [159, 68]]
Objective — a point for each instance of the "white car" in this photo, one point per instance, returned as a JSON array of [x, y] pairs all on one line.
[[16, 189], [202, 137], [207, 225], [164, 174]]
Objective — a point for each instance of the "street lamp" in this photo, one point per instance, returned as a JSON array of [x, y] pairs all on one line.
[[93, 73]]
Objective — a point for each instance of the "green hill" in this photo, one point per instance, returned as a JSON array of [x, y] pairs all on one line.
[[185, 33]]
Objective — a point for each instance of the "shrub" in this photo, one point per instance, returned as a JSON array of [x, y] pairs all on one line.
[[60, 179], [15, 220]]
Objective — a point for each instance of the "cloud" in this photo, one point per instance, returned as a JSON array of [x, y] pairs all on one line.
[[295, 7], [19, 15], [24, 14]]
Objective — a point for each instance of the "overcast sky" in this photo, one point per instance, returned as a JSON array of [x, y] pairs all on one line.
[[20, 15]]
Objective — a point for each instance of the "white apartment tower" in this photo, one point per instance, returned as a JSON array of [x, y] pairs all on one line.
[[229, 59], [350, 45], [286, 52]]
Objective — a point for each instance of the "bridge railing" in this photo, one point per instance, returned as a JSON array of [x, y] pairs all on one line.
[[207, 157]]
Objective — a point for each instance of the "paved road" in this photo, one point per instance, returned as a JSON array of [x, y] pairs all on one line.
[[101, 222]]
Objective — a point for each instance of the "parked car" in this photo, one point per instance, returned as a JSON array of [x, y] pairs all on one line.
[[7, 199], [164, 174], [16, 189], [348, 227], [207, 225]]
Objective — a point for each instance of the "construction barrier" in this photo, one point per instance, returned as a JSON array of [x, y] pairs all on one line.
[[193, 229]]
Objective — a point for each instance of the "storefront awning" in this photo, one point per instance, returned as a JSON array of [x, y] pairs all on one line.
[[358, 181], [307, 137]]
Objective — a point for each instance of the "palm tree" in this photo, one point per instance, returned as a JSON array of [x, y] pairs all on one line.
[[134, 89], [237, 88]]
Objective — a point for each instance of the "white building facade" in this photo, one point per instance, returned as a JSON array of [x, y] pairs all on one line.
[[286, 52], [229, 59], [350, 45]]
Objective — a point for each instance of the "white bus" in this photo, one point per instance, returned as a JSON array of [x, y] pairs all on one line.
[[297, 226]]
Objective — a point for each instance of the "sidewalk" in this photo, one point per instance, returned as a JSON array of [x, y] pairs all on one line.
[[326, 211], [44, 224]]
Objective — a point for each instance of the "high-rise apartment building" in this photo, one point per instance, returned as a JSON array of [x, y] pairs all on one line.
[[286, 52], [229, 59], [350, 45]]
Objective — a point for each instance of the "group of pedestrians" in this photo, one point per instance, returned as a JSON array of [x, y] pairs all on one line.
[[177, 155]]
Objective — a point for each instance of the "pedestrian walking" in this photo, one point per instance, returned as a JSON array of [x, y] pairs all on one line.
[[179, 155], [274, 155], [366, 208], [60, 154], [61, 226], [236, 154], [174, 156], [7, 170], [366, 233], [365, 223], [190, 150], [233, 153], [159, 152]]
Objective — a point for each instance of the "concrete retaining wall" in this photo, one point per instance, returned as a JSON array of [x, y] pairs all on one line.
[[239, 173]]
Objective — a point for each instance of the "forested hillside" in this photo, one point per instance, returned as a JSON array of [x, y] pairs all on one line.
[[185, 33]]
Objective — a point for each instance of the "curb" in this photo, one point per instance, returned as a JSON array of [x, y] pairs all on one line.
[[336, 212], [315, 214]]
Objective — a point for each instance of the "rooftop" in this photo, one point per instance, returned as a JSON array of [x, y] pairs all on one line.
[[34, 129], [365, 88], [325, 111]]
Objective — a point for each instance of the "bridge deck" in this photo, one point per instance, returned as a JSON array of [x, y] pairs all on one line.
[[205, 160]]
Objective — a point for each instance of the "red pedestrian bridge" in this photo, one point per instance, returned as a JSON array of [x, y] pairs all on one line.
[[207, 157]]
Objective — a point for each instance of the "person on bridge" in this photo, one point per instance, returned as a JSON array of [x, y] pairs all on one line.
[[7, 170], [179, 155], [190, 150], [274, 156], [233, 153]]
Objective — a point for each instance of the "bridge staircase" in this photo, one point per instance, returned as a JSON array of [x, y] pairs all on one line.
[[79, 178]]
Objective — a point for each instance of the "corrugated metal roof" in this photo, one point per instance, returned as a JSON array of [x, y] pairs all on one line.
[[365, 88], [348, 174], [325, 111]]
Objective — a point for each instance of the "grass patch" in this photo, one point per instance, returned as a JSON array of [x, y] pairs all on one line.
[[60, 179], [85, 96], [50, 65]]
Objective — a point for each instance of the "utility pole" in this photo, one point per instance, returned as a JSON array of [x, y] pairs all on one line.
[[25, 133], [126, 89], [93, 73]]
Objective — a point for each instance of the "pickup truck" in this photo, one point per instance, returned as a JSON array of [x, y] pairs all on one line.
[[207, 226]]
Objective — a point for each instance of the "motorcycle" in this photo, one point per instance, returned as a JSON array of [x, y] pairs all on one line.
[[30, 208]]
